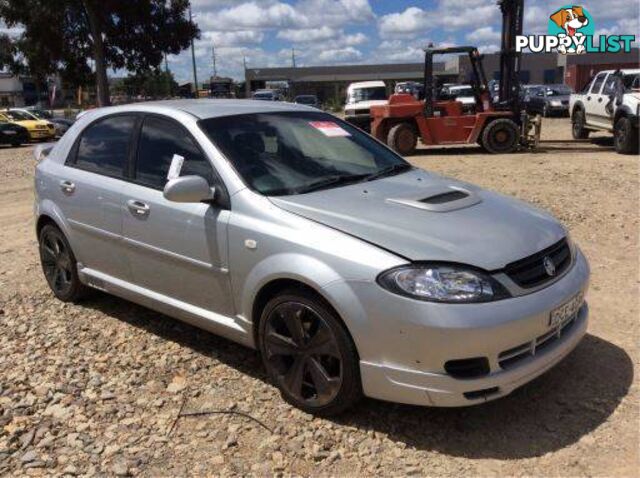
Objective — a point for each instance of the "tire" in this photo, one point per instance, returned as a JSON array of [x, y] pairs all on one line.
[[59, 265], [500, 136], [578, 131], [625, 136], [15, 145], [322, 380], [403, 138]]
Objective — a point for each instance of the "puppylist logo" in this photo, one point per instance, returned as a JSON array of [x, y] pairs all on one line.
[[571, 30]]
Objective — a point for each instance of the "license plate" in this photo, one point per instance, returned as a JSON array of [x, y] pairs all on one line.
[[566, 311], [9, 132]]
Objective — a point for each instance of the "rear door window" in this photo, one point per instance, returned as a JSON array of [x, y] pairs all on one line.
[[104, 146], [160, 140], [597, 83]]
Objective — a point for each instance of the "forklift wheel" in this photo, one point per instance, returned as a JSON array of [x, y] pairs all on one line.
[[501, 136], [402, 138]]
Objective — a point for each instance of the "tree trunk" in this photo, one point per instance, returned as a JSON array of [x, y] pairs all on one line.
[[102, 83]]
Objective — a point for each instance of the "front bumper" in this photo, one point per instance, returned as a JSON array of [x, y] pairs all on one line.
[[404, 343], [41, 134]]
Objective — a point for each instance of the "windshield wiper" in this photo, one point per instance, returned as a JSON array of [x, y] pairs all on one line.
[[334, 180], [389, 170]]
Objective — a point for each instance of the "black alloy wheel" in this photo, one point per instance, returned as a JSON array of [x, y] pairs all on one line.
[[59, 265], [309, 355]]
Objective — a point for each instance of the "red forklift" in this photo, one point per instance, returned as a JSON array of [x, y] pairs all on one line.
[[500, 126]]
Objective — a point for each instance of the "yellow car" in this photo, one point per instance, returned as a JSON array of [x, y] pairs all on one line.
[[38, 129]]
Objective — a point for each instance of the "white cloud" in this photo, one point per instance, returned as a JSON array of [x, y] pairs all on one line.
[[307, 35], [341, 55], [242, 37], [483, 34], [448, 15]]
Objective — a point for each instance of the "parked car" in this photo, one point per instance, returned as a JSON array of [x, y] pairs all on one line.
[[609, 102], [267, 95], [12, 133], [38, 129], [61, 124], [410, 88], [293, 232], [463, 94], [361, 96], [548, 100], [308, 100]]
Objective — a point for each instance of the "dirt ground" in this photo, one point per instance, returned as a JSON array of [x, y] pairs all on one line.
[[95, 389]]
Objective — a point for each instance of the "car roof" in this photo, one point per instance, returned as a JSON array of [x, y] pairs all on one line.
[[624, 71], [212, 108]]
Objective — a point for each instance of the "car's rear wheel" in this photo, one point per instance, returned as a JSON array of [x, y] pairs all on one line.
[[309, 354], [625, 137], [59, 265], [403, 138], [501, 136], [578, 130]]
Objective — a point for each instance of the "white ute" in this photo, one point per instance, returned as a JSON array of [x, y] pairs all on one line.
[[361, 97], [609, 102]]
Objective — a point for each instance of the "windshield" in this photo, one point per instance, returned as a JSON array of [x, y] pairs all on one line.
[[294, 152], [558, 90], [306, 100], [19, 116], [368, 94], [460, 92]]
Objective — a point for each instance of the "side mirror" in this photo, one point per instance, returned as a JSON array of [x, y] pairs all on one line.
[[188, 189]]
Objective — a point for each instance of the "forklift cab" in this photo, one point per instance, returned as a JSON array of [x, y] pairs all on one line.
[[433, 106]]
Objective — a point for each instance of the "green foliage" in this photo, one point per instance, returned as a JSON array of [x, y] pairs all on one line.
[[66, 36], [149, 84]]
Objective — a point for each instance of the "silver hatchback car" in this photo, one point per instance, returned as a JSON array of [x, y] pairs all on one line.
[[287, 230]]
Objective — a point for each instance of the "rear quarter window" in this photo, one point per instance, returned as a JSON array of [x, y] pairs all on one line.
[[103, 147]]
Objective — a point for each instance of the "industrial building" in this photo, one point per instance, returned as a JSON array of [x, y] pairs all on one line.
[[330, 82]]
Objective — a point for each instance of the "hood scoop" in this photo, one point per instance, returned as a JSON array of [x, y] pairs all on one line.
[[442, 199]]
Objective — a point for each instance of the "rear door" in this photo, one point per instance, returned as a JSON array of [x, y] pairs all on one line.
[[178, 250], [89, 191], [595, 102]]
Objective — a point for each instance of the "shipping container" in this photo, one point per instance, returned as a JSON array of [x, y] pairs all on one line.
[[578, 76]]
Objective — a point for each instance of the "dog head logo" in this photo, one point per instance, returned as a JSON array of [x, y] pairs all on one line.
[[570, 19], [571, 24]]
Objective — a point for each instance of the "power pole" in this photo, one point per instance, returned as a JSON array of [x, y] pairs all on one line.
[[293, 57], [244, 62], [213, 56], [193, 61]]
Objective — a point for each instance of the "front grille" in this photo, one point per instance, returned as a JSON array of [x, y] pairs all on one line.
[[531, 272], [511, 357]]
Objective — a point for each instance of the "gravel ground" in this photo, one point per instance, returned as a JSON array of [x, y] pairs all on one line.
[[96, 388]]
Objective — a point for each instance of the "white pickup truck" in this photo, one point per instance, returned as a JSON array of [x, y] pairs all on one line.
[[609, 102]]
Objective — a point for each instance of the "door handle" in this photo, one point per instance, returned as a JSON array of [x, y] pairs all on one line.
[[67, 187], [138, 208]]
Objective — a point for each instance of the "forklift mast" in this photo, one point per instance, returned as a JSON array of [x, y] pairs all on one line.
[[509, 91]]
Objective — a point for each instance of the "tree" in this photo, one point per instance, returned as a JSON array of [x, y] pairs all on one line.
[[118, 34], [151, 84]]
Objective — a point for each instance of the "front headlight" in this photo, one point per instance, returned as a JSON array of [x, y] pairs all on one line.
[[443, 283]]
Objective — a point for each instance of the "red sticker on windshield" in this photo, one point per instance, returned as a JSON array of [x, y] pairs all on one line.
[[329, 128]]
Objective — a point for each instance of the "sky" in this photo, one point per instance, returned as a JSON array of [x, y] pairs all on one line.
[[330, 32]]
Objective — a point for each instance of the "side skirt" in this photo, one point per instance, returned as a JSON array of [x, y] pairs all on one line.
[[237, 328]]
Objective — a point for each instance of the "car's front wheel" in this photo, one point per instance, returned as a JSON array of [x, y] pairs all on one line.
[[59, 265], [625, 137], [309, 354]]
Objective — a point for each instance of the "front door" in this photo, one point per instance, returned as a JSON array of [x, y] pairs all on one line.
[[177, 250]]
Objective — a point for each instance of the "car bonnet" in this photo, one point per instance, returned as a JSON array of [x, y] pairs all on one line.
[[425, 217]]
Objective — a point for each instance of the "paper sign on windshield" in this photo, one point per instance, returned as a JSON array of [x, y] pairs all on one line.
[[176, 166], [329, 128]]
